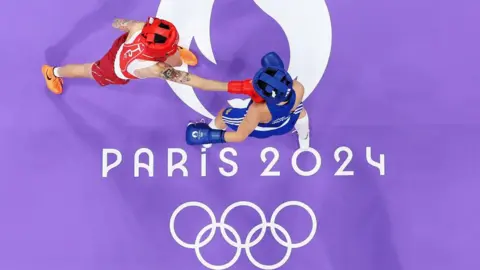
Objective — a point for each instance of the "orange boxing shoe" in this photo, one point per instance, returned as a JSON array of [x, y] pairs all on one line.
[[187, 56], [54, 83]]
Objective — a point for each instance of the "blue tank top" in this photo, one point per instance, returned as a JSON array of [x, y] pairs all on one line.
[[280, 113]]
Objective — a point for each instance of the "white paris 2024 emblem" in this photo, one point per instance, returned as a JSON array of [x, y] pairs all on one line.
[[306, 24]]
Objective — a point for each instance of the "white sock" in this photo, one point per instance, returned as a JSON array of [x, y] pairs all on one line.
[[302, 127], [55, 72]]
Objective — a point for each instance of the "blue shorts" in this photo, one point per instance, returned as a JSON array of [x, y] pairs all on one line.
[[233, 117]]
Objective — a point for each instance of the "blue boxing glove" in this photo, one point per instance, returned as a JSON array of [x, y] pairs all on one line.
[[201, 133], [272, 59]]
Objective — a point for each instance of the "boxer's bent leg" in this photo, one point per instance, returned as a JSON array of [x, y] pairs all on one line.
[[74, 71], [302, 125], [216, 123], [187, 56], [174, 60], [232, 117], [101, 71], [303, 130]]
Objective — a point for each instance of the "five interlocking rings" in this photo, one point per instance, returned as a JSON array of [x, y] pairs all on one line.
[[237, 243]]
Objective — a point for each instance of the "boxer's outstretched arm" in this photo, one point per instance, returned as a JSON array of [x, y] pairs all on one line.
[[248, 125], [126, 25], [167, 72]]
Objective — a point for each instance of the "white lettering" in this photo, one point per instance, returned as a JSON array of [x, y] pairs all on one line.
[[137, 164], [107, 167], [276, 156], [179, 165], [341, 171], [318, 162], [203, 162], [228, 161], [379, 165]]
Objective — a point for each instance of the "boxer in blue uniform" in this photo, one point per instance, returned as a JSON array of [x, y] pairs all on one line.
[[276, 108]]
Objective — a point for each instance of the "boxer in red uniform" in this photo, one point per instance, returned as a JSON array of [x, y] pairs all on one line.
[[146, 50]]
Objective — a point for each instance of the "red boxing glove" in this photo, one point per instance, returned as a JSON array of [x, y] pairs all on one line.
[[245, 88]]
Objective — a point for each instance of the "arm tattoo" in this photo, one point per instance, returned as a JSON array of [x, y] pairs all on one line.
[[123, 24], [174, 75]]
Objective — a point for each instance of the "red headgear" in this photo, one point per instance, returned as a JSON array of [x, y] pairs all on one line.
[[160, 51]]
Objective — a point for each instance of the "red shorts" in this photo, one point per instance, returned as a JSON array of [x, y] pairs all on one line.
[[103, 70]]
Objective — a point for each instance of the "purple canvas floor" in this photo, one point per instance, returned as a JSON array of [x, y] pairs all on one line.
[[402, 78]]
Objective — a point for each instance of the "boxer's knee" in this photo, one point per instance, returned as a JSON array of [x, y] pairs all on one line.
[[302, 125], [303, 113], [88, 70], [219, 120], [174, 60]]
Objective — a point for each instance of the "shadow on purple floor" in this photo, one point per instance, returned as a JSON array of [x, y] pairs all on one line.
[[87, 25], [133, 192], [362, 224]]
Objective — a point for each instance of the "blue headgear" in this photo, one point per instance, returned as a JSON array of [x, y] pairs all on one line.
[[276, 85]]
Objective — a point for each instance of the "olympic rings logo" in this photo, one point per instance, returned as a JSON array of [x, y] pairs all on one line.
[[237, 243]]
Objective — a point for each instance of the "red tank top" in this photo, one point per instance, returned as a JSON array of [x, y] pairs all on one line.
[[136, 50]]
